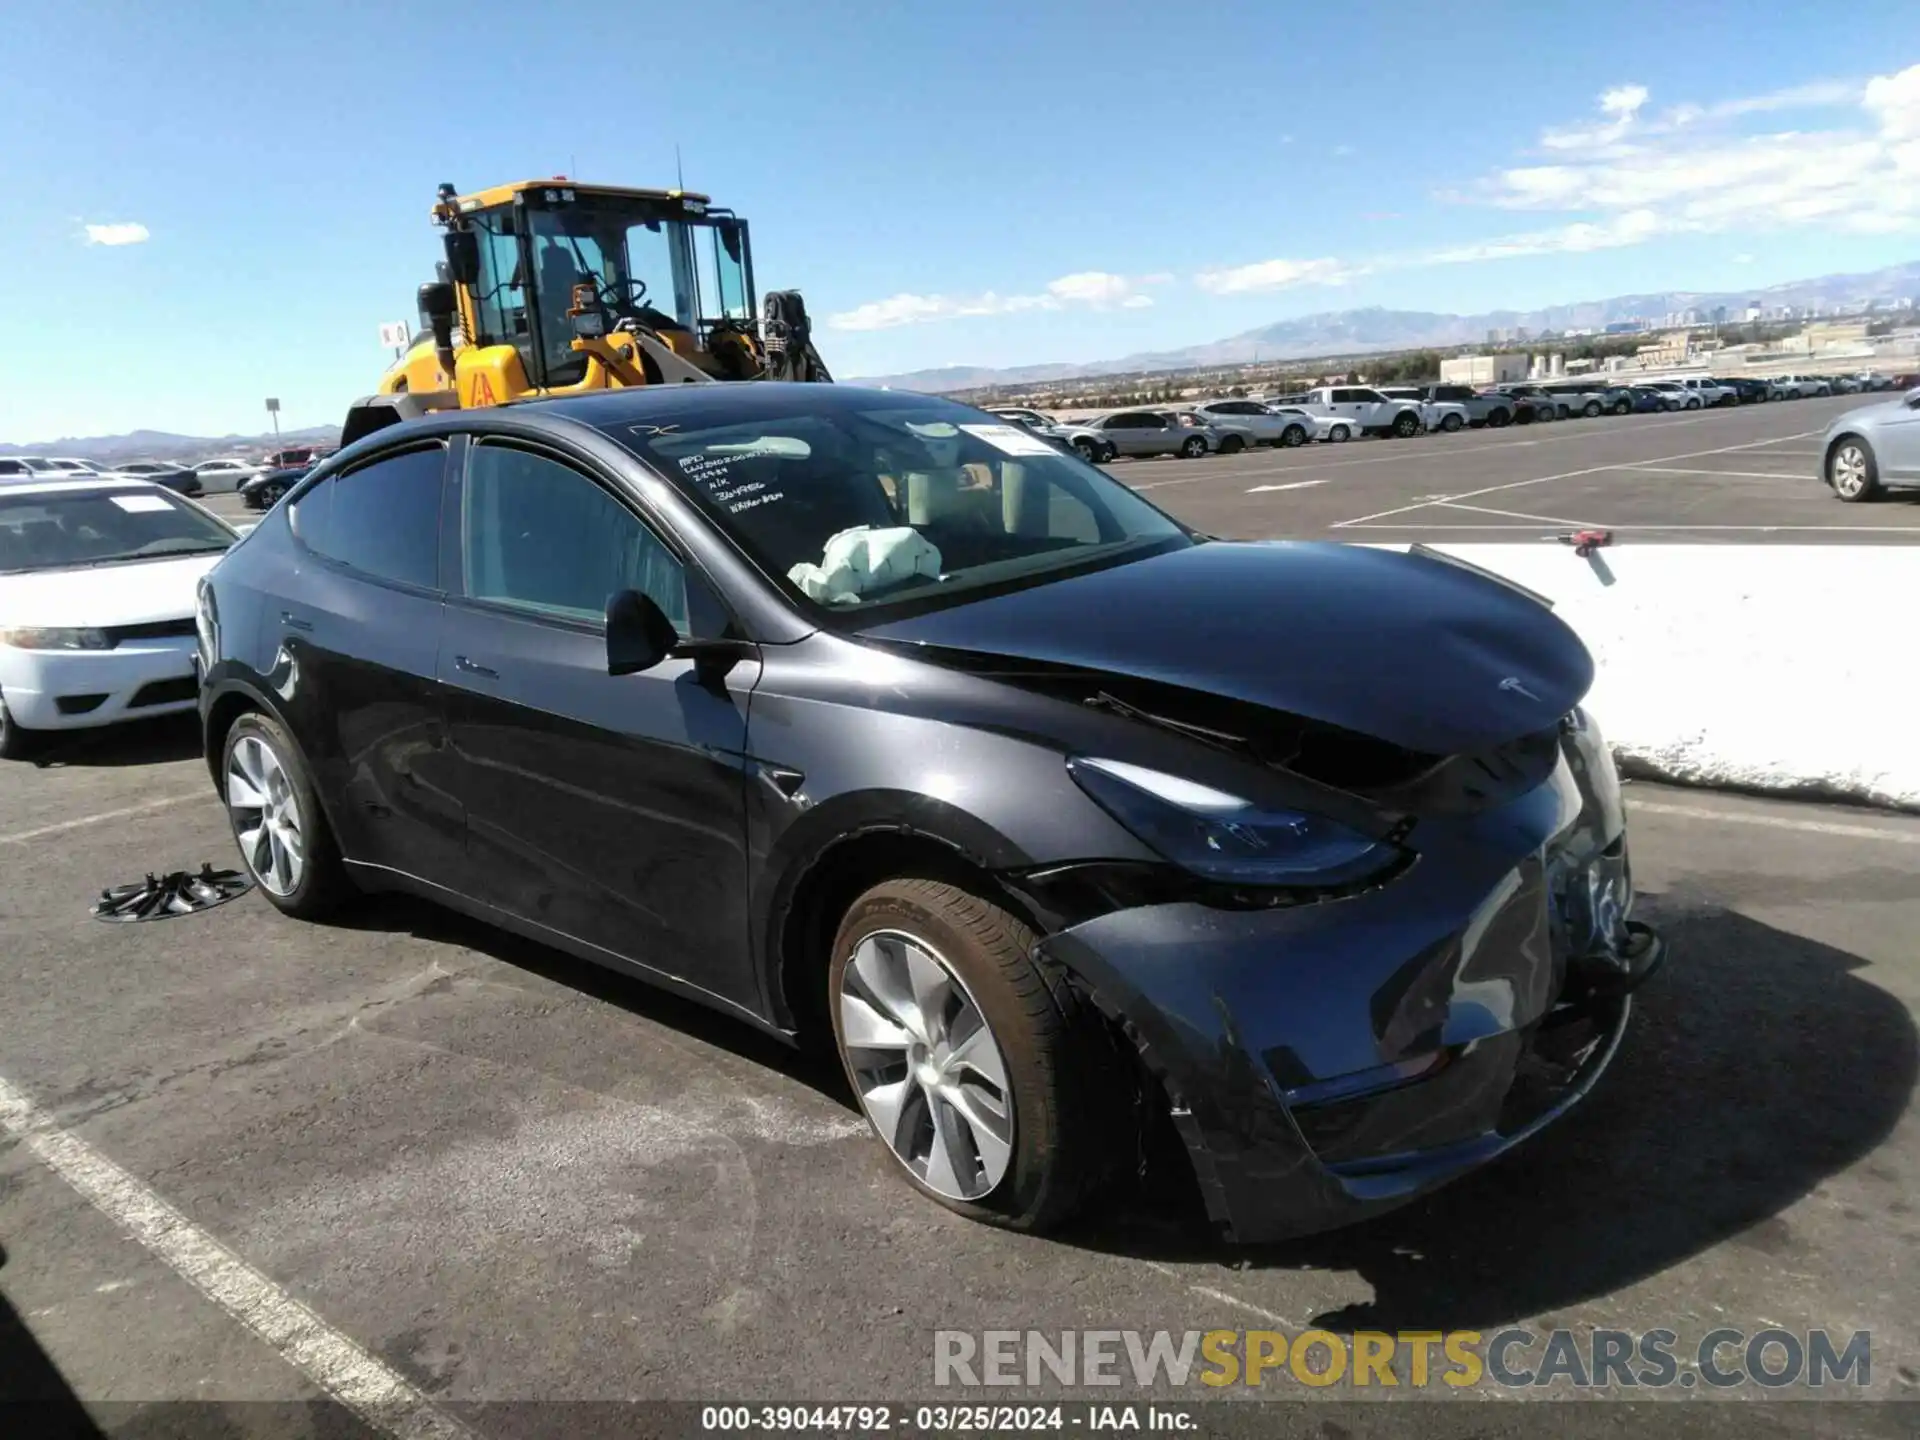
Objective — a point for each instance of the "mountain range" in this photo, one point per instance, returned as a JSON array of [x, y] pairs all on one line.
[[1330, 333], [162, 445], [1371, 330]]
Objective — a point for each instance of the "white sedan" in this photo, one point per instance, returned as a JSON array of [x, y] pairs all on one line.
[[97, 589]]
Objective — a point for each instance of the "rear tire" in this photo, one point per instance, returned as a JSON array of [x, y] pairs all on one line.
[[939, 979], [1852, 471], [1193, 447], [1087, 451], [1293, 437], [1450, 422], [1500, 419], [1591, 409], [320, 883], [1406, 425], [1232, 445], [1340, 434]]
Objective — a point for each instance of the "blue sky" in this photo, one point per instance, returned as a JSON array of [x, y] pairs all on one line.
[[988, 184]]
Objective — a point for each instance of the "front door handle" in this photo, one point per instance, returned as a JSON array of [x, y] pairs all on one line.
[[294, 622], [461, 662]]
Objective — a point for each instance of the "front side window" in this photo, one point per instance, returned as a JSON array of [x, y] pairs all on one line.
[[539, 535], [382, 519], [102, 527], [860, 507]]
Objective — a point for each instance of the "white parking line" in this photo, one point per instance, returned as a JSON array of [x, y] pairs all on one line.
[[373, 1390], [1731, 474], [1673, 529], [1774, 822], [1290, 485], [1617, 465], [21, 837], [1424, 452], [1511, 514]]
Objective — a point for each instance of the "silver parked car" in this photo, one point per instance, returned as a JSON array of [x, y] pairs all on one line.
[[1090, 445], [1139, 433], [1867, 451], [1245, 420]]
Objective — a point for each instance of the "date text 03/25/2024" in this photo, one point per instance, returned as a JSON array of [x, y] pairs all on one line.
[[946, 1419]]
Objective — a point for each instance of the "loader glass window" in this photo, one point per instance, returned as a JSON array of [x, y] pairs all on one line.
[[501, 293], [729, 296]]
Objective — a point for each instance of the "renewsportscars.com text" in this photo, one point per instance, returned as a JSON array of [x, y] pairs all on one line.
[[1513, 1358]]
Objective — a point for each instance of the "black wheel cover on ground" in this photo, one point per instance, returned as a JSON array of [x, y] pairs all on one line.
[[178, 892]]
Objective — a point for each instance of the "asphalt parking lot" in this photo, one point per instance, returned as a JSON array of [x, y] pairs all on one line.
[[1744, 476], [410, 1147]]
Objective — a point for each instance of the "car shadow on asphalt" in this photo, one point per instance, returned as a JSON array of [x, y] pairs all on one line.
[[397, 913], [159, 741], [1759, 1063], [33, 1392]]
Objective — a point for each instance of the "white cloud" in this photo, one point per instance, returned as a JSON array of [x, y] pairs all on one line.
[[1632, 228], [123, 232], [1094, 289], [1696, 169], [1275, 275]]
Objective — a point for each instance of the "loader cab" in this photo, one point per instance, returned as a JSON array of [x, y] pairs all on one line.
[[524, 256]]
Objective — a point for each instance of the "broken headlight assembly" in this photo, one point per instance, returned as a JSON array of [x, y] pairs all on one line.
[[1228, 840]]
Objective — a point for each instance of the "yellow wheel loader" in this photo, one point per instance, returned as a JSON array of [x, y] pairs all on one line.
[[555, 288]]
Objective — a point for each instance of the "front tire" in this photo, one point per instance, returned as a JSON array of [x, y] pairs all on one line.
[[16, 743], [1340, 434], [1852, 471], [1500, 419], [1450, 422], [1591, 409], [276, 819], [1087, 451], [1193, 447], [1293, 437], [991, 1093], [1693, 402], [1406, 425], [1232, 445]]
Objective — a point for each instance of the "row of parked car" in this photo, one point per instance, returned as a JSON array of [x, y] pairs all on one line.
[[218, 476], [1337, 413]]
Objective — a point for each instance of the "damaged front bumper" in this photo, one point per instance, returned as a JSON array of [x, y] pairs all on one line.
[[1329, 1062]]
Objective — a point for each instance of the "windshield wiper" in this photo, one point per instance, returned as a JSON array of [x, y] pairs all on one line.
[[136, 557]]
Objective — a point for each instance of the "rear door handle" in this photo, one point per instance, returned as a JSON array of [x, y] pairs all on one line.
[[461, 662], [294, 622]]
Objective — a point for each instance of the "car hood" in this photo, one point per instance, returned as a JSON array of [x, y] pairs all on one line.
[[1410, 649], [133, 593], [1878, 413]]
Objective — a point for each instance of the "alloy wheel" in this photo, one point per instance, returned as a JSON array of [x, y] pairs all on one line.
[[1849, 470], [930, 1074], [266, 816]]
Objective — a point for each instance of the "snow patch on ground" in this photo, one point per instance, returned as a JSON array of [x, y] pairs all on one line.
[[1780, 667]]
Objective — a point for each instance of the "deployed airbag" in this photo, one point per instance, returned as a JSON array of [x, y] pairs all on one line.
[[864, 559]]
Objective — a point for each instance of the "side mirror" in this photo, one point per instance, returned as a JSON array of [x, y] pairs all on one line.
[[436, 308], [463, 256], [639, 635]]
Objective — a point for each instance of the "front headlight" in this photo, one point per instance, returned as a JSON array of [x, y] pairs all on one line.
[[57, 639], [1224, 838]]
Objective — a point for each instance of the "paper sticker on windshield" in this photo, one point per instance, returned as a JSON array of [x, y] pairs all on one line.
[[1010, 439], [139, 504]]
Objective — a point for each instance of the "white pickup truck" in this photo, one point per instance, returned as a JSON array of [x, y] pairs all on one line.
[[1368, 410]]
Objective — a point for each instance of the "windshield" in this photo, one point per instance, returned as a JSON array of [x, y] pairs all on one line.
[[649, 260], [859, 508], [102, 527]]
